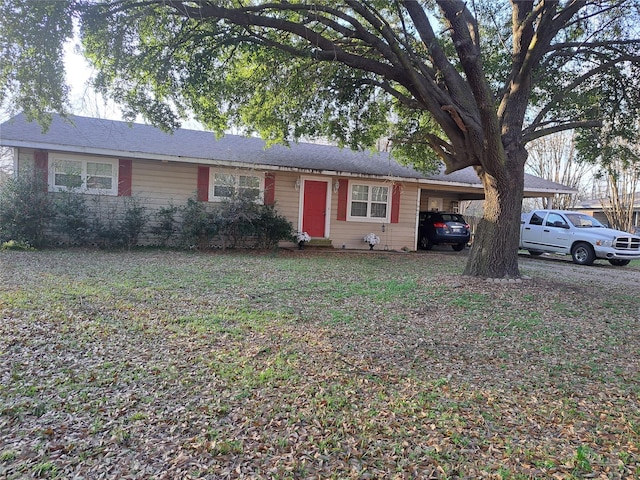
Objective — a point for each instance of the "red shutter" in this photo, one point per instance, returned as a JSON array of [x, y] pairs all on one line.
[[395, 203], [269, 188], [343, 199], [203, 184], [41, 168], [125, 171]]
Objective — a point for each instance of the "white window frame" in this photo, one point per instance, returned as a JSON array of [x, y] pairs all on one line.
[[84, 161], [368, 217], [236, 175]]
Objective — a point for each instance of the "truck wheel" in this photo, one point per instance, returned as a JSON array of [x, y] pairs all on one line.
[[619, 263], [582, 254]]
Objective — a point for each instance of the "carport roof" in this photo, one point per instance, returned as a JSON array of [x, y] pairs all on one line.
[[115, 138]]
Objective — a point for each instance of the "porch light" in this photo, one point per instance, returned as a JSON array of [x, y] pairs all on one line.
[[296, 185], [336, 186]]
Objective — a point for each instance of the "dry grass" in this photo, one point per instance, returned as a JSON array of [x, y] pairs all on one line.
[[302, 365]]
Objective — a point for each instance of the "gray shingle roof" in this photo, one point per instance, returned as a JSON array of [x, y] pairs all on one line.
[[109, 137]]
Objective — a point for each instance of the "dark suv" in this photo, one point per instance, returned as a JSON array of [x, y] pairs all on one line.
[[443, 228]]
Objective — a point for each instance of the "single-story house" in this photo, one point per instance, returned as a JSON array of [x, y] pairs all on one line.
[[335, 195], [595, 208]]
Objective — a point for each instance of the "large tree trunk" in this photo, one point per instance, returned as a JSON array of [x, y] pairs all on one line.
[[494, 252]]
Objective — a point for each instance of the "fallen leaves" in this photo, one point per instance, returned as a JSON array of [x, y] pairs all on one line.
[[171, 365]]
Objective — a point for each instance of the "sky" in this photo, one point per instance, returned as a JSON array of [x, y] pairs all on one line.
[[84, 100]]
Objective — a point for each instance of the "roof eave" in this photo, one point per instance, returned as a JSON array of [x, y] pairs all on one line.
[[528, 192]]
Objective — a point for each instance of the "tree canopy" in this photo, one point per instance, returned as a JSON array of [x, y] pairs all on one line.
[[463, 83]]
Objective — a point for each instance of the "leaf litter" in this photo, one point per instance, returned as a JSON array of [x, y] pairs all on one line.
[[311, 365]]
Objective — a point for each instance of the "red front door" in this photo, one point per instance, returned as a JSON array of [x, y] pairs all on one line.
[[314, 208]]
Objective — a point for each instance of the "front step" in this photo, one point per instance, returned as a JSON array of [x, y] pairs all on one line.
[[319, 243]]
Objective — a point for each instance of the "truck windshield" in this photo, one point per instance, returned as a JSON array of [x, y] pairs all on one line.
[[581, 220]]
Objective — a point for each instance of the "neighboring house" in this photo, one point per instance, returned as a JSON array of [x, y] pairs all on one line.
[[595, 208], [336, 195]]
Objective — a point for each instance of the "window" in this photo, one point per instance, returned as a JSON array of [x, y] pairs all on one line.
[[555, 220], [91, 176], [226, 185], [536, 219], [369, 202]]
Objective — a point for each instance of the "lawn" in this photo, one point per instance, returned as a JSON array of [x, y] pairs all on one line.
[[174, 365]]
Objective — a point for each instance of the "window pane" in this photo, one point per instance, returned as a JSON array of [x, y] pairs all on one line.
[[104, 183], [220, 191], [68, 174], [225, 179], [379, 210], [379, 194], [224, 185], [249, 182], [536, 219], [69, 181], [358, 209], [101, 169], [99, 176], [360, 192], [249, 186]]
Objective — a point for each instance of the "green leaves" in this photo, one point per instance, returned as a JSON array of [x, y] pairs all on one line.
[[32, 73]]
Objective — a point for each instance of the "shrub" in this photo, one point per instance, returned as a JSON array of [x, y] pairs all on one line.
[[166, 224], [26, 209], [73, 218], [117, 226], [197, 227], [243, 222], [270, 228], [236, 222], [132, 223]]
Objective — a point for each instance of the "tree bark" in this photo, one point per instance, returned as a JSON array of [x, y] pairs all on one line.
[[494, 252]]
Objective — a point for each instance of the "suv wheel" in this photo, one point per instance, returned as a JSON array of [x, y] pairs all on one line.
[[425, 243], [458, 246]]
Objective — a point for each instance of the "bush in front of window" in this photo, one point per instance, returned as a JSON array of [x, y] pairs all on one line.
[[233, 219], [196, 228], [73, 218], [242, 222], [26, 209], [236, 222]]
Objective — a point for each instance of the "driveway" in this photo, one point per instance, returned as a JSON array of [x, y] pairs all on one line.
[[600, 273], [553, 267]]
